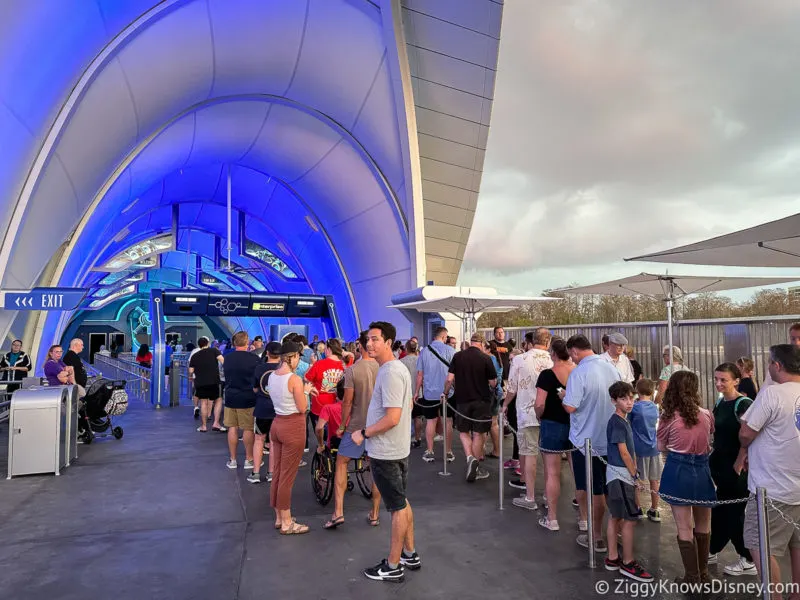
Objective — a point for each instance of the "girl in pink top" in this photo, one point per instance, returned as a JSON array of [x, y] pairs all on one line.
[[684, 432]]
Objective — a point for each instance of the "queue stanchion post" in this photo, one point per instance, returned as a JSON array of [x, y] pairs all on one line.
[[501, 426], [587, 449], [763, 541], [444, 472]]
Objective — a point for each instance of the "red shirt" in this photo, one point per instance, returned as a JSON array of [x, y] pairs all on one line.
[[332, 413], [325, 375]]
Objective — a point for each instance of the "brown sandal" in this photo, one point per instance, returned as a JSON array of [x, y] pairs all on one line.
[[295, 529]]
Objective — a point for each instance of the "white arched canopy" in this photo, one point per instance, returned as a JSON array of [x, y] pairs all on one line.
[[296, 100]]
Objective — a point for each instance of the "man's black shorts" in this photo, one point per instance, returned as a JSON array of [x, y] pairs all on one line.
[[432, 409], [479, 413], [262, 426], [207, 392], [391, 479], [598, 473]]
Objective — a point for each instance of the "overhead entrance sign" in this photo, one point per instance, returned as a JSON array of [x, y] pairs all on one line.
[[42, 298]]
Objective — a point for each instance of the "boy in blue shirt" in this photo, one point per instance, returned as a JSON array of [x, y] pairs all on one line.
[[643, 420], [621, 477]]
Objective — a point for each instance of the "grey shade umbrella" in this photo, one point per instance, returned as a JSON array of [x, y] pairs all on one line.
[[773, 244], [669, 288], [467, 306]]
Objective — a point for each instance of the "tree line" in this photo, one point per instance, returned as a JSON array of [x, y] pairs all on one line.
[[575, 309]]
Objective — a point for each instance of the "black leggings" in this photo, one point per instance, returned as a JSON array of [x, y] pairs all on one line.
[[727, 520], [512, 421], [313, 420]]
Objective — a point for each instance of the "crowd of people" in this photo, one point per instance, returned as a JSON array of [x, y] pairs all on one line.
[[651, 441], [657, 437]]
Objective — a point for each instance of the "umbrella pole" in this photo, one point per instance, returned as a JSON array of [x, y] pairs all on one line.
[[669, 331]]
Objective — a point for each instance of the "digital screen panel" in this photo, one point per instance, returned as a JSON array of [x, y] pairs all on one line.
[[185, 302], [306, 306], [268, 305]]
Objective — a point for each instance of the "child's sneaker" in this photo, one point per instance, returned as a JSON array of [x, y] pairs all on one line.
[[613, 565], [654, 515], [635, 571]]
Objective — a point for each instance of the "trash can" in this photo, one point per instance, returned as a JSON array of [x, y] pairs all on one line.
[[36, 429]]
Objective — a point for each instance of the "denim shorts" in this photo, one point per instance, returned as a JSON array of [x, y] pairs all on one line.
[[554, 436], [391, 479], [348, 448], [687, 476]]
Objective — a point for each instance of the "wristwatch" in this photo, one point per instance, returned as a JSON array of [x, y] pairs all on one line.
[[364, 434]]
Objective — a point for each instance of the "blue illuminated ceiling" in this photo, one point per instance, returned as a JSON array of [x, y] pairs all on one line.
[[120, 120]]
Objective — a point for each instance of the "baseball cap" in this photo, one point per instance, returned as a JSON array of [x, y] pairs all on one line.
[[617, 338], [274, 348], [289, 346]]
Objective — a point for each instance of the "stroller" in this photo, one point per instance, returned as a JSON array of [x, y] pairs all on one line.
[[104, 399]]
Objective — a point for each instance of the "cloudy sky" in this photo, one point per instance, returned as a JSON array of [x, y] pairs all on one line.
[[622, 127]]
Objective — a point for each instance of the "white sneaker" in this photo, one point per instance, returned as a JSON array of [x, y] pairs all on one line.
[[713, 558], [248, 465], [231, 464], [583, 526], [524, 503], [428, 456], [548, 524], [741, 567], [438, 438]]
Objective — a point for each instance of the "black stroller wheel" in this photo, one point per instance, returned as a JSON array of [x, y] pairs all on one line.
[[87, 437], [117, 431]]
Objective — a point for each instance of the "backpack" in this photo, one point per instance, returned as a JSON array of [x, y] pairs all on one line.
[[735, 406]]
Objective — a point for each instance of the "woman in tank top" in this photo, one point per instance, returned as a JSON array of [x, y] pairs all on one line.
[[288, 435], [554, 430], [727, 520]]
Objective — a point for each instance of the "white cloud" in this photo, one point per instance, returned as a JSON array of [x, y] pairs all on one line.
[[631, 126]]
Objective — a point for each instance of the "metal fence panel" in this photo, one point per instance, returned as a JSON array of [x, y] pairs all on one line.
[[704, 343]]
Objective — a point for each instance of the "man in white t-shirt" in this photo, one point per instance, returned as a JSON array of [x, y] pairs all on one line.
[[770, 439], [794, 340], [387, 437], [615, 354]]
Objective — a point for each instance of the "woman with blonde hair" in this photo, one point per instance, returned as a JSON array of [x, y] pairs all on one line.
[[671, 365], [747, 384], [287, 435]]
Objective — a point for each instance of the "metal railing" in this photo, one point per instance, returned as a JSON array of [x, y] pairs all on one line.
[[137, 377], [180, 369], [705, 343]]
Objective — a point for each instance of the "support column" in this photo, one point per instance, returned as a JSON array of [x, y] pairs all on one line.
[[157, 337]]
